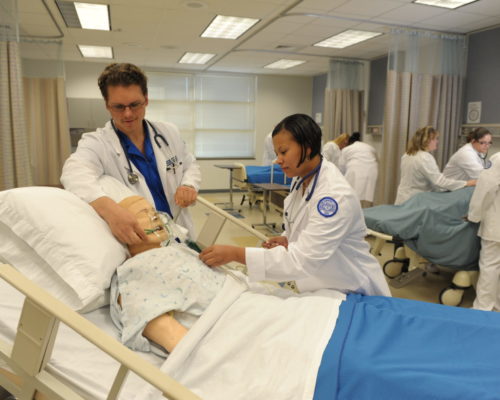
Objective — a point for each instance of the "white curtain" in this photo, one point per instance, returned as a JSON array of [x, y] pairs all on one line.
[[344, 98], [14, 144], [424, 87]]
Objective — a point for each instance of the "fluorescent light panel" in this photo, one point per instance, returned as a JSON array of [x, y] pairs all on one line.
[[284, 64], [96, 51], [93, 16], [444, 3], [195, 58], [224, 27], [347, 38]]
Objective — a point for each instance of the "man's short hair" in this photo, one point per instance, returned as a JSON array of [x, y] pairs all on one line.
[[123, 74]]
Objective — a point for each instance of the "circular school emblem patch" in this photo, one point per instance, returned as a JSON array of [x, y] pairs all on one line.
[[327, 207]]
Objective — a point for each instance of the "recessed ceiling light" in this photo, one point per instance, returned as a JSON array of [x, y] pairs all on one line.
[[96, 51], [84, 15], [347, 38], [224, 27], [195, 58], [284, 64], [445, 3]]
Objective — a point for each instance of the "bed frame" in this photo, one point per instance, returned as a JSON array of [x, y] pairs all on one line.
[[407, 265], [27, 358]]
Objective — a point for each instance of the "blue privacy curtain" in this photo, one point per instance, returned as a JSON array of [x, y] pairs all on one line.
[[425, 76]]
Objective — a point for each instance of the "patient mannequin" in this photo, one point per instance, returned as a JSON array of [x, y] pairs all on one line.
[[146, 284]]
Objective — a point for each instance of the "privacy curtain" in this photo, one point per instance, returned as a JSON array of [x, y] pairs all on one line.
[[424, 87], [47, 126], [14, 147], [343, 98]]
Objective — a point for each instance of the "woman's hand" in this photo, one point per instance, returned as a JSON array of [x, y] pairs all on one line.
[[219, 254], [471, 182], [276, 241]]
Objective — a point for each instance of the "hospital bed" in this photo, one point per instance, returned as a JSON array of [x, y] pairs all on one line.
[[57, 351], [430, 227], [246, 176]]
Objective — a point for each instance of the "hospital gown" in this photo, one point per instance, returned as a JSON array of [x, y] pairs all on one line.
[[156, 282]]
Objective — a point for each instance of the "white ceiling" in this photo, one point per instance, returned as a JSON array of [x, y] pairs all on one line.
[[156, 33]]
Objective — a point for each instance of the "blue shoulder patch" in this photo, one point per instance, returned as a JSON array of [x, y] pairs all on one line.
[[327, 207]]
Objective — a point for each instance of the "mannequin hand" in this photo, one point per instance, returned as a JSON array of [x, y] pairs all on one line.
[[276, 241], [185, 196], [218, 254]]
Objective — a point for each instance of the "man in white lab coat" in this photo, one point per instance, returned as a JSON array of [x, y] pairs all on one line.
[[150, 158]]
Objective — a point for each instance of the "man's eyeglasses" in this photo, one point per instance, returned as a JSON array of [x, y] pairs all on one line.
[[122, 107], [482, 142]]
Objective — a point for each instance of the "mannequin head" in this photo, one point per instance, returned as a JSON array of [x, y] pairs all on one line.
[[150, 220]]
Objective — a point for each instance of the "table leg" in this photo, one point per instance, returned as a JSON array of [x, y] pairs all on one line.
[[231, 188]]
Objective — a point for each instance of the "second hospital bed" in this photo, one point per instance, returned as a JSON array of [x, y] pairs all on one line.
[[253, 342], [433, 228]]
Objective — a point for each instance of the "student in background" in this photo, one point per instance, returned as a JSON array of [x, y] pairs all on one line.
[[468, 161], [419, 169], [268, 155], [484, 208], [360, 167], [332, 149]]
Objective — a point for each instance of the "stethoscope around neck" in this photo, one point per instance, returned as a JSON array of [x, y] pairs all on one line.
[[132, 177], [296, 186], [482, 157]]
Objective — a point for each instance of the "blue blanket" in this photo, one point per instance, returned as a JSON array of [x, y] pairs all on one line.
[[433, 225], [388, 348], [262, 174]]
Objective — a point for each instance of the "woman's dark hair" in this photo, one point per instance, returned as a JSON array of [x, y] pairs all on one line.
[[355, 137], [123, 74], [305, 132], [477, 134]]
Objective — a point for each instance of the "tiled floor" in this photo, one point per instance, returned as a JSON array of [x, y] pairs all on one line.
[[425, 288]]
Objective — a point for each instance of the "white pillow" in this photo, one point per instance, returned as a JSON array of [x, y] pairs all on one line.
[[60, 242]]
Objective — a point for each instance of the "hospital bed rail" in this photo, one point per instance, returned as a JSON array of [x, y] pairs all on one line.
[[36, 334], [213, 228]]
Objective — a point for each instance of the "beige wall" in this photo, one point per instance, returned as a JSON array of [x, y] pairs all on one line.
[[277, 97]]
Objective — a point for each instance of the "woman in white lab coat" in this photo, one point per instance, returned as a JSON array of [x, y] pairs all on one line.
[[323, 243], [268, 154], [484, 208], [468, 161], [360, 167], [419, 170], [332, 150]]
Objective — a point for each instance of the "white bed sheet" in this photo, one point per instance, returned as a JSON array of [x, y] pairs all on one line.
[[261, 344], [81, 365]]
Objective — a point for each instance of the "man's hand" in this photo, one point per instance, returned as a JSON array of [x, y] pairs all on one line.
[[218, 254], [122, 222], [276, 241], [185, 196]]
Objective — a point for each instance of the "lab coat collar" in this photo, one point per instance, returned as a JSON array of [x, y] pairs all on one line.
[[111, 137]]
